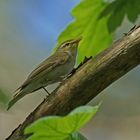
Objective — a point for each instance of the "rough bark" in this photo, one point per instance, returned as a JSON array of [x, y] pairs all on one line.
[[88, 80]]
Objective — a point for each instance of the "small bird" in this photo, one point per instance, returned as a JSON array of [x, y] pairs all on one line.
[[52, 70]]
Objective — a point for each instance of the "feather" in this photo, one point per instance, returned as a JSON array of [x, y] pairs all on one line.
[[45, 67], [16, 97]]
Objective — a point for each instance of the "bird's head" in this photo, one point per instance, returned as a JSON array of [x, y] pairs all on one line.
[[69, 45]]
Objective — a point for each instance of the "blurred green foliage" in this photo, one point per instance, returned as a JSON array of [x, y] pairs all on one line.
[[62, 128], [3, 98]]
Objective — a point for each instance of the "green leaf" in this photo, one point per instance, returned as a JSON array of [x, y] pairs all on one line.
[[60, 128], [3, 97], [96, 21], [116, 13], [133, 10], [94, 31], [117, 10], [76, 136]]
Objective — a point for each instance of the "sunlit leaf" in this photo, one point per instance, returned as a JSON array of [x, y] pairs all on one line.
[[60, 128], [94, 31]]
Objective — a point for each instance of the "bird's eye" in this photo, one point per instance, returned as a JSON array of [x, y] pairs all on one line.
[[67, 44]]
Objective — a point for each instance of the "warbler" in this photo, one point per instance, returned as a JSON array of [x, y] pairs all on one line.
[[50, 71]]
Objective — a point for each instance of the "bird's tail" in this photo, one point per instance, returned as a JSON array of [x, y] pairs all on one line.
[[16, 97]]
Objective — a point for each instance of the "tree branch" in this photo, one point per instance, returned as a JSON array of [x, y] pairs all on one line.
[[88, 80]]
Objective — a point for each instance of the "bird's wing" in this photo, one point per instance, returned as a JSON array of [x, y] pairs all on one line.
[[47, 65]]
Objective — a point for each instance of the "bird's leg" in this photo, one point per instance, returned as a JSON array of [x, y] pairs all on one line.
[[46, 90]]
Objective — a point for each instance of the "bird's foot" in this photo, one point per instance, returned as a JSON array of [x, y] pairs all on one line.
[[46, 91]]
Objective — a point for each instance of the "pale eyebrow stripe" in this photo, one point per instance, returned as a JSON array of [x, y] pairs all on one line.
[[64, 43]]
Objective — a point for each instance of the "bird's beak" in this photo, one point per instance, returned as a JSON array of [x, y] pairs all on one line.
[[77, 40]]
